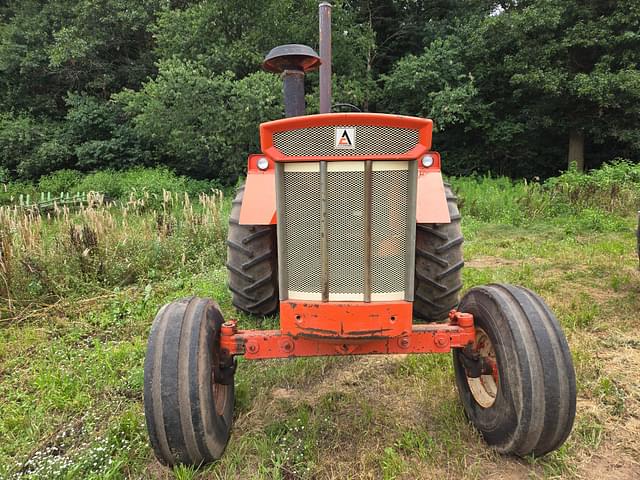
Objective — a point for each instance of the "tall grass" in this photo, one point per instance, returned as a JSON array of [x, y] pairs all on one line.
[[612, 191], [149, 225], [64, 253]]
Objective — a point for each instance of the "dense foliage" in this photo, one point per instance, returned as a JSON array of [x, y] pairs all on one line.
[[88, 84]]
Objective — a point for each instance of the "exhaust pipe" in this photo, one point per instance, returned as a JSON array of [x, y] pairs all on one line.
[[292, 61], [325, 57]]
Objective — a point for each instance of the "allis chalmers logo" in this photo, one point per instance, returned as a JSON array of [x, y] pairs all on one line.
[[345, 138]]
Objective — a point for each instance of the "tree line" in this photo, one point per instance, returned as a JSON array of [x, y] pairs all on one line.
[[515, 87]]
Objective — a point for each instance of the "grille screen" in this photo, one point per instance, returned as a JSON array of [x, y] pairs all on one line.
[[346, 230], [370, 140], [302, 205], [389, 230]]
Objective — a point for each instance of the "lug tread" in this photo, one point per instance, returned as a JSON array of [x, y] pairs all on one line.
[[438, 266], [252, 269]]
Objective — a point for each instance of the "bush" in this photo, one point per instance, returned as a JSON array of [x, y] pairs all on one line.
[[209, 142], [503, 200], [141, 181], [612, 189], [62, 181], [148, 183], [615, 187]]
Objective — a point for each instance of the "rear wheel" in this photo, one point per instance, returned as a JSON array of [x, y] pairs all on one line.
[[517, 383], [252, 263], [188, 393], [439, 263]]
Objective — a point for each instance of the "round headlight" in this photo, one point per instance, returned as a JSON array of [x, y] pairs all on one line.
[[263, 163], [427, 161]]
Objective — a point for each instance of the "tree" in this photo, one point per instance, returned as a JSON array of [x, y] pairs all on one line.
[[203, 124], [48, 48], [573, 66], [511, 87]]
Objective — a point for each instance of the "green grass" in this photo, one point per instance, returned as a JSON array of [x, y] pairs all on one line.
[[72, 353]]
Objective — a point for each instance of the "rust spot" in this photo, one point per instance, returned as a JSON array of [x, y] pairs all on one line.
[[319, 330]]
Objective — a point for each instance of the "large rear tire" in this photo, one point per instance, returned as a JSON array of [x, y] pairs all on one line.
[[252, 263], [439, 263], [188, 411], [524, 400]]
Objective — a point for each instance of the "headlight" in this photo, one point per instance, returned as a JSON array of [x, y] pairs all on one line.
[[427, 161], [263, 163]]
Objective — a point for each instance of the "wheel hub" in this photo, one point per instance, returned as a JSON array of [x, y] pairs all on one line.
[[484, 388]]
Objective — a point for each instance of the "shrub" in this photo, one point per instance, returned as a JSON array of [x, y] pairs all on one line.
[[210, 142], [62, 181], [615, 187]]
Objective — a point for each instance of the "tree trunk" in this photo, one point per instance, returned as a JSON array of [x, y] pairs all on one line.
[[576, 149]]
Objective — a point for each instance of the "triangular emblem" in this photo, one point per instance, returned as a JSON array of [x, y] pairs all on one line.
[[345, 138]]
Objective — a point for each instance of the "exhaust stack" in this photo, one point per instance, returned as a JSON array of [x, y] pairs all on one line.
[[325, 57], [292, 61]]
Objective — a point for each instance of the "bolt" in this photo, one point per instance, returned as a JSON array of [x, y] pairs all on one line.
[[253, 347], [286, 345], [441, 340], [403, 342]]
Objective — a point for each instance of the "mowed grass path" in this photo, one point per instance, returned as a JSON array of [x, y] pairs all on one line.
[[71, 383]]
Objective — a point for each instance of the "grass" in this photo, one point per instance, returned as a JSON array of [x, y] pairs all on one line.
[[73, 334]]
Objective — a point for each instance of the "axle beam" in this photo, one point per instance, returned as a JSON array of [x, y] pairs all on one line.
[[423, 338]]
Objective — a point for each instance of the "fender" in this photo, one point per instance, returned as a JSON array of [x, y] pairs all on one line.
[[431, 199], [259, 201]]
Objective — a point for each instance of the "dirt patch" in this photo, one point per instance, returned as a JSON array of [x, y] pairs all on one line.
[[283, 393], [490, 262], [610, 463]]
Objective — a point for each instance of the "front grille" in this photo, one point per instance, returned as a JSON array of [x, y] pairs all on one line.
[[370, 140], [301, 226]]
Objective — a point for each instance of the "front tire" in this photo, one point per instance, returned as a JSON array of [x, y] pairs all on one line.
[[526, 403], [188, 411]]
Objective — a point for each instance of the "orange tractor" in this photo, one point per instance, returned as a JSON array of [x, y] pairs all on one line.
[[345, 227]]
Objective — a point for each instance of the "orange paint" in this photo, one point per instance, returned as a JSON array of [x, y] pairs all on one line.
[[426, 338], [431, 201], [259, 201], [424, 126], [345, 319]]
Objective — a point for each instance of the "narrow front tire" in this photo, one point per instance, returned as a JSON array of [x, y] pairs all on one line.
[[517, 383], [188, 410]]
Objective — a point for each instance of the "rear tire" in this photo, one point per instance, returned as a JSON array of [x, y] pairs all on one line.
[[530, 408], [252, 263], [439, 263], [188, 412]]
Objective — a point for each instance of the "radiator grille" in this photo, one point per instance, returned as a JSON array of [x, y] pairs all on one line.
[[389, 230], [302, 213], [346, 230], [369, 140]]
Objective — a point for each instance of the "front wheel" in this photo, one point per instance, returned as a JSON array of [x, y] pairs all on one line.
[[188, 393], [517, 383]]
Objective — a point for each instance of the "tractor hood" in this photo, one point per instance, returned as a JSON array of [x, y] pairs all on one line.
[[342, 136]]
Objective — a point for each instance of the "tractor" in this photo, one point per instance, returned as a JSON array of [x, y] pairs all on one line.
[[345, 228]]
